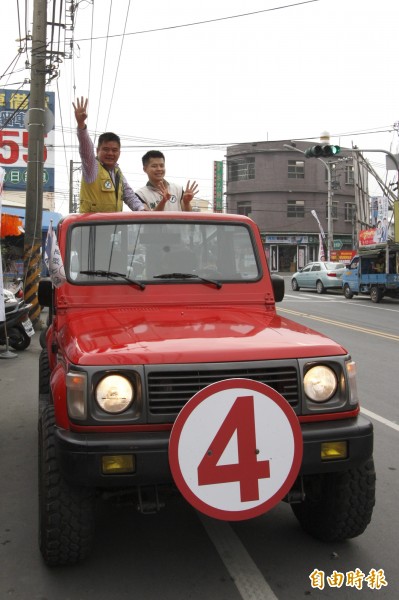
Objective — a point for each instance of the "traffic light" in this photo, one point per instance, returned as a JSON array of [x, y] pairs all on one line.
[[322, 150]]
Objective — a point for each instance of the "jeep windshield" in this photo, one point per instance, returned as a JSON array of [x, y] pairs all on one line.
[[161, 252]]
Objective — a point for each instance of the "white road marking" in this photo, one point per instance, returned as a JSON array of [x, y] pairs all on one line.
[[355, 303], [248, 579], [383, 420]]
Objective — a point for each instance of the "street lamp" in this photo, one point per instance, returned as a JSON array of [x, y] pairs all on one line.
[[329, 199]]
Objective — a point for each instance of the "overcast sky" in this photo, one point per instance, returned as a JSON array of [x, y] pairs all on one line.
[[279, 71]]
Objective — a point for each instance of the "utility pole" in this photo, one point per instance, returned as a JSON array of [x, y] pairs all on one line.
[[72, 197], [34, 185], [330, 234]]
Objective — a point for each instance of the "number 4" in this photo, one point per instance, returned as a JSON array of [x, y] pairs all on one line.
[[247, 471]]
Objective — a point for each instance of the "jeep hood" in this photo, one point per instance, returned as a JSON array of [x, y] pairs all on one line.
[[167, 335]]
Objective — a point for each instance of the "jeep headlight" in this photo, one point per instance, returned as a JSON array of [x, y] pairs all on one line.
[[320, 383], [114, 394]]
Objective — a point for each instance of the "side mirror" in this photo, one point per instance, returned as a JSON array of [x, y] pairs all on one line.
[[278, 287]]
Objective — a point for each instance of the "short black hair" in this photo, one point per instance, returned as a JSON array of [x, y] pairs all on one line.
[[108, 136], [151, 154]]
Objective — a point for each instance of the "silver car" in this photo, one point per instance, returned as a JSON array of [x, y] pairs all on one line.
[[319, 276]]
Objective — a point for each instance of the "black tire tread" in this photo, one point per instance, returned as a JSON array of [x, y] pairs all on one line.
[[339, 505], [66, 514], [44, 373]]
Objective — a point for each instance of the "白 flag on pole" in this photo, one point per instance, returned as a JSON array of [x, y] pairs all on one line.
[[314, 214], [53, 258], [322, 256]]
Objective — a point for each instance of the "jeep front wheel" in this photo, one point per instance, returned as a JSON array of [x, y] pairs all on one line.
[[337, 506], [66, 513]]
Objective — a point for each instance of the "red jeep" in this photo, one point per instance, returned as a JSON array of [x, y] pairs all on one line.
[[156, 307]]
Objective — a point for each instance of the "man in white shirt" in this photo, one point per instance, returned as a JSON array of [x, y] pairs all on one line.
[[159, 194]]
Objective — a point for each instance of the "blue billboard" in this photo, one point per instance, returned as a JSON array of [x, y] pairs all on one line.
[[14, 137]]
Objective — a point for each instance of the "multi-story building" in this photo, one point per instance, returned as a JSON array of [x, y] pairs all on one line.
[[278, 187]]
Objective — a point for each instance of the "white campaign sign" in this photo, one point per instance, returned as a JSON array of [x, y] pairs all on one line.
[[235, 449]]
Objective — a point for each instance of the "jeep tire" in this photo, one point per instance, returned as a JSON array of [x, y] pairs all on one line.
[[44, 373], [337, 506], [44, 381], [66, 513]]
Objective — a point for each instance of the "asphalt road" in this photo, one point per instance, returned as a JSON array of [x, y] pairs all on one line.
[[180, 555]]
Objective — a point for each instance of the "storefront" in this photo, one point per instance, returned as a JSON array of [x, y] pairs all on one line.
[[288, 253]]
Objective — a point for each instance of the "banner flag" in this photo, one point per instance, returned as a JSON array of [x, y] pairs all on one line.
[[53, 258], [322, 256], [314, 214]]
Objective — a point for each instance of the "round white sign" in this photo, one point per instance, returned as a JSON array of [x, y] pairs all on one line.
[[235, 449]]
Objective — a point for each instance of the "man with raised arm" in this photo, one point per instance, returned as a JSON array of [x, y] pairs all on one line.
[[103, 187]]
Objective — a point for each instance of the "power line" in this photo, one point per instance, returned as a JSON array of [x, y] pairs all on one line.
[[196, 23], [117, 68]]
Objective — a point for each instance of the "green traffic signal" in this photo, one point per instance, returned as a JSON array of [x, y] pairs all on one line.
[[331, 150], [322, 150]]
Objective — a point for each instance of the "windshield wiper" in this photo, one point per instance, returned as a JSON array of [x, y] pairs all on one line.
[[113, 275], [189, 276]]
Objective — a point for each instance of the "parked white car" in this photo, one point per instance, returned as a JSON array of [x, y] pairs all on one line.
[[319, 276]]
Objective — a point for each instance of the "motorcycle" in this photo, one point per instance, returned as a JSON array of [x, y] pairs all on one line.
[[17, 328]]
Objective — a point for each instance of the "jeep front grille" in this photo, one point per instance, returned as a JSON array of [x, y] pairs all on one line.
[[168, 391]]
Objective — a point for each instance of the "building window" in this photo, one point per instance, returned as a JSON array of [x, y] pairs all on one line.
[[334, 211], [240, 169], [350, 174], [296, 208], [244, 208], [296, 169], [349, 211]]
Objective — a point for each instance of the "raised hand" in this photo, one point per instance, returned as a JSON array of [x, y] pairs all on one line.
[[80, 111], [190, 191], [164, 191]]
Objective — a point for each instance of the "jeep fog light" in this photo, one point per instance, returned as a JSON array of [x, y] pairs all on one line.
[[76, 385], [114, 394], [334, 450], [320, 383], [120, 463]]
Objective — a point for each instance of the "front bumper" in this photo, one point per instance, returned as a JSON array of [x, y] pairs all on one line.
[[80, 455]]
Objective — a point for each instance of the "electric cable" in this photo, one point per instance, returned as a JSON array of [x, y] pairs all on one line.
[[117, 68]]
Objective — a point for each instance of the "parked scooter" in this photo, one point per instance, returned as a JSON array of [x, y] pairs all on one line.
[[17, 327]]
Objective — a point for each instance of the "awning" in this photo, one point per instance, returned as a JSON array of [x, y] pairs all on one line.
[[11, 225], [47, 216]]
